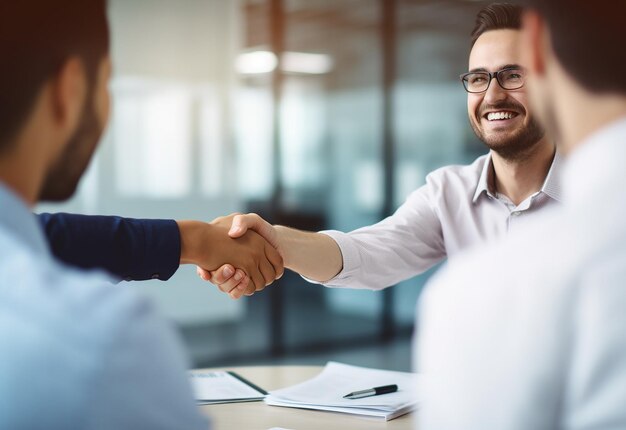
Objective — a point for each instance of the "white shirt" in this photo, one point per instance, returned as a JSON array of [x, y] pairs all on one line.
[[77, 351], [454, 210], [531, 333]]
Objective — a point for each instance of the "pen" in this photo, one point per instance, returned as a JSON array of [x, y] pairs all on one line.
[[376, 391]]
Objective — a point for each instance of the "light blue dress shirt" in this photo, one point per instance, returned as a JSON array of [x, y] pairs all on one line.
[[78, 352]]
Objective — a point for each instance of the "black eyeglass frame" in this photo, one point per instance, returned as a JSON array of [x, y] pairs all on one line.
[[496, 75]]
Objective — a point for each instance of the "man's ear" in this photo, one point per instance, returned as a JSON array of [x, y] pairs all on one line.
[[534, 42], [69, 93]]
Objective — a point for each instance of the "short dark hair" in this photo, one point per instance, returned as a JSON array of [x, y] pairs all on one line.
[[588, 39], [497, 16], [36, 38]]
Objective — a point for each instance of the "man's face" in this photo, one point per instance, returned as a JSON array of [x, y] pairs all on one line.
[[62, 179], [515, 131]]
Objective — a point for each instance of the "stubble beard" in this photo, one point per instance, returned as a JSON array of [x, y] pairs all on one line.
[[63, 177], [514, 146]]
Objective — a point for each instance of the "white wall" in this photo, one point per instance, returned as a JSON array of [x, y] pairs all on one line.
[[168, 152]]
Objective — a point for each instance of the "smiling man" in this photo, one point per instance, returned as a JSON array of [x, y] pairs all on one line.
[[460, 206]]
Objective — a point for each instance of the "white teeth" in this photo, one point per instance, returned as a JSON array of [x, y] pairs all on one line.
[[491, 116]]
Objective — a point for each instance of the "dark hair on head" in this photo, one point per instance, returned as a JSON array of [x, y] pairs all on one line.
[[36, 38], [497, 16], [588, 40]]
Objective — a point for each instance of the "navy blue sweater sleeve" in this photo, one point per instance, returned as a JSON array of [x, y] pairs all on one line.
[[127, 248]]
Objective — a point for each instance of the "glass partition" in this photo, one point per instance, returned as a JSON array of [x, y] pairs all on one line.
[[306, 111]]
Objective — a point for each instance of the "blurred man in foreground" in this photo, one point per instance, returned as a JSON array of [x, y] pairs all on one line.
[[531, 333], [77, 352]]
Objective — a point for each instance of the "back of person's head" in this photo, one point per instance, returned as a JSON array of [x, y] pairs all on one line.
[[588, 40], [497, 16], [36, 38]]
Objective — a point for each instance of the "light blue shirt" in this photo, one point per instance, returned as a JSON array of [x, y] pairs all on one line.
[[78, 352]]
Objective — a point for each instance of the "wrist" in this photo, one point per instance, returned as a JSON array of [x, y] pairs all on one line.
[[191, 240], [283, 244]]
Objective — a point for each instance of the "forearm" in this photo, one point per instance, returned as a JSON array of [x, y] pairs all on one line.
[[313, 255], [127, 248]]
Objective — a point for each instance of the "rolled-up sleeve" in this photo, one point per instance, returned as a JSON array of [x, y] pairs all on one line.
[[403, 245]]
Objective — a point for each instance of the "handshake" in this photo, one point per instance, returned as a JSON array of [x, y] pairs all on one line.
[[241, 254]]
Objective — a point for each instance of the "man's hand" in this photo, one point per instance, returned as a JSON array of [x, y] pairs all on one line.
[[241, 223], [209, 246], [228, 279], [234, 285]]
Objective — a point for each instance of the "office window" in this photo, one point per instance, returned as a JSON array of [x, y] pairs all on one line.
[[152, 134]]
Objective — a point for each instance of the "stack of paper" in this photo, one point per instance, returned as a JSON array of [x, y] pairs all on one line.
[[325, 392]]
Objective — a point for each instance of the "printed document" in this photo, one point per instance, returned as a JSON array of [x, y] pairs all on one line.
[[325, 392]]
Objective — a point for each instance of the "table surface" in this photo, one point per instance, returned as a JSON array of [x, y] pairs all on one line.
[[259, 416]]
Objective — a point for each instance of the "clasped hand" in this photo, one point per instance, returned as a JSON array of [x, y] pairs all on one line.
[[237, 279]]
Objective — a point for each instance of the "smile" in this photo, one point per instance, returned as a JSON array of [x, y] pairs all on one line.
[[500, 115]]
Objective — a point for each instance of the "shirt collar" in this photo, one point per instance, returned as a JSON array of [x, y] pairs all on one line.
[[551, 186], [18, 220], [483, 181]]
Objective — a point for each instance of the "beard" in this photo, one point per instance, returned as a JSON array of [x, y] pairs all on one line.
[[62, 178], [512, 146]]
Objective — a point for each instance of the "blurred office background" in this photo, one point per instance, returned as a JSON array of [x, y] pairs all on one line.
[[314, 113]]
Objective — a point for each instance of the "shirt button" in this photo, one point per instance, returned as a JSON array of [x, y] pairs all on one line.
[[155, 276], [515, 213]]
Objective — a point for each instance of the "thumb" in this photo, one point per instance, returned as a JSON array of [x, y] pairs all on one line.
[[252, 221], [239, 226]]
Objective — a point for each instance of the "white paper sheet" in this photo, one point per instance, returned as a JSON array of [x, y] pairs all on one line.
[[326, 391]]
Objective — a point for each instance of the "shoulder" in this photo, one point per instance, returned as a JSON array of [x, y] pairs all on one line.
[[61, 310], [551, 288], [90, 342], [479, 319], [80, 309], [65, 294], [59, 326]]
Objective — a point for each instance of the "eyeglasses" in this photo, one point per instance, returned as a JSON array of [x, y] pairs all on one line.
[[509, 79]]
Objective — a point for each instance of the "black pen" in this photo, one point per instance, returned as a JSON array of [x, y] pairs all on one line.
[[376, 391]]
